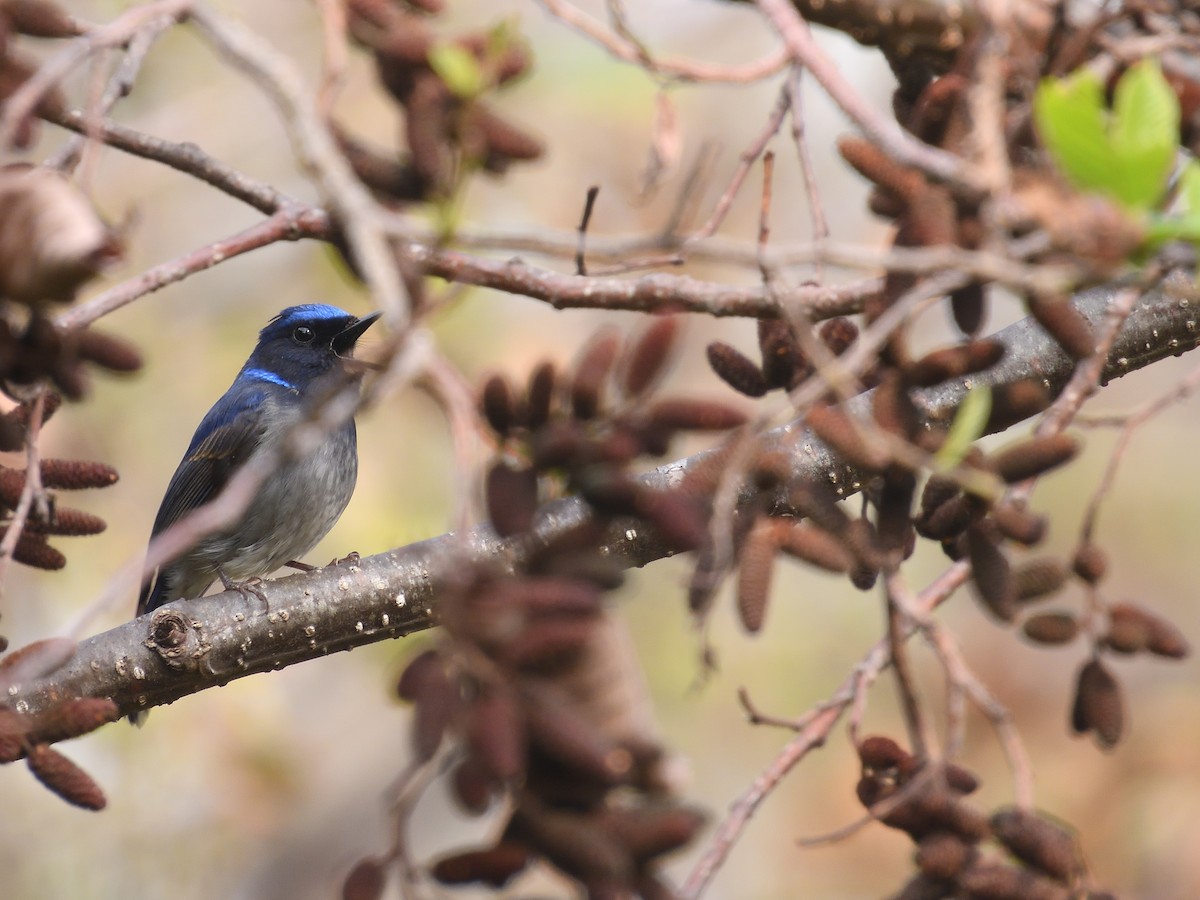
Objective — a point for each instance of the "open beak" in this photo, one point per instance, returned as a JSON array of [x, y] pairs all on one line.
[[344, 340]]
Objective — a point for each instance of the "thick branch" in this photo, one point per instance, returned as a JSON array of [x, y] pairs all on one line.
[[188, 646]]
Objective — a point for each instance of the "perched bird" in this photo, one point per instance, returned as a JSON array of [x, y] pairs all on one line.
[[300, 356]]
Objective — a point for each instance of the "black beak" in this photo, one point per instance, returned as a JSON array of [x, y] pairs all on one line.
[[344, 340]]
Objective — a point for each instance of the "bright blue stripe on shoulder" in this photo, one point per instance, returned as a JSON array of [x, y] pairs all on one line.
[[265, 375]]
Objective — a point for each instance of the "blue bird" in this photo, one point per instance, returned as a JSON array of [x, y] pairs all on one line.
[[299, 358]]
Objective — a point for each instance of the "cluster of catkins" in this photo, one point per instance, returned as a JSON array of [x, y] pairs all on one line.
[[517, 693], [1039, 859], [437, 85]]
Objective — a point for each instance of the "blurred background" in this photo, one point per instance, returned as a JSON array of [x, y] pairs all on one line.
[[274, 786]]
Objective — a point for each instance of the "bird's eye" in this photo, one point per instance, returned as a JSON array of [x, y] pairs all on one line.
[[303, 334]]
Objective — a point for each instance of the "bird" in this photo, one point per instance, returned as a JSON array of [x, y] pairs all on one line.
[[300, 357]]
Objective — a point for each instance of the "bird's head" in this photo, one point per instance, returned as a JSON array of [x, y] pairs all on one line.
[[303, 343]]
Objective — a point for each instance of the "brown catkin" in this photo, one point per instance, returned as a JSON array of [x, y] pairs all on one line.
[[109, 352], [1033, 457], [512, 498], [1037, 842], [539, 402], [736, 370], [814, 545], [695, 415], [992, 574], [1038, 578], [1019, 524], [593, 368], [496, 404], [1067, 325], [756, 563], [65, 778], [32, 550], [648, 355], [1098, 706], [77, 474], [838, 334], [1090, 563], [71, 718], [1051, 628], [69, 522], [835, 427], [783, 362]]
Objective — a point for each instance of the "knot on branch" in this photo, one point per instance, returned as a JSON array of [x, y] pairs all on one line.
[[173, 639]]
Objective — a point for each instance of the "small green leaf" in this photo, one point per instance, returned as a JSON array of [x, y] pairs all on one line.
[[458, 68], [1144, 134], [967, 427], [1072, 121]]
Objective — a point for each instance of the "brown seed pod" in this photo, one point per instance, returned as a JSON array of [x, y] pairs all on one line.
[[1067, 325], [12, 435], [539, 402], [1037, 842], [365, 881], [1031, 458], [64, 778], [12, 483], [813, 545], [36, 660], [77, 474], [495, 732], [1000, 882], [1038, 578], [494, 866], [575, 843], [1132, 628], [938, 489], [547, 646], [676, 515], [107, 351], [1090, 563], [71, 718], [557, 444], [648, 355], [954, 362], [991, 574], [921, 887], [818, 503], [755, 566], [893, 408], [1098, 705], [968, 305], [436, 704], [38, 18], [1051, 628], [650, 831], [736, 370], [422, 669], [1016, 402], [894, 524], [943, 855], [512, 498], [595, 364], [32, 550], [1019, 524], [561, 733], [68, 522], [695, 415], [863, 542], [783, 362], [496, 403], [836, 428], [473, 786], [838, 334]]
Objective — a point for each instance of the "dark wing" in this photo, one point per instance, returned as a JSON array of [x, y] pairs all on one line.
[[224, 440]]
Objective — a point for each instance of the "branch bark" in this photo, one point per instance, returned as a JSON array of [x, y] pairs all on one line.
[[189, 646]]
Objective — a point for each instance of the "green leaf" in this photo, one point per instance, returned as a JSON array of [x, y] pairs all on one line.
[[1189, 188], [1144, 134], [1073, 123], [458, 68], [969, 422]]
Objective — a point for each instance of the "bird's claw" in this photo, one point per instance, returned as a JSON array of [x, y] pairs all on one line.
[[248, 588]]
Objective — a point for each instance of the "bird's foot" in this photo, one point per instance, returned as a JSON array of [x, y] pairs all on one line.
[[301, 566], [248, 588], [350, 559]]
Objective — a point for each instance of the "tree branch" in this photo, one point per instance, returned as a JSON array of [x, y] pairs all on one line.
[[188, 646]]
